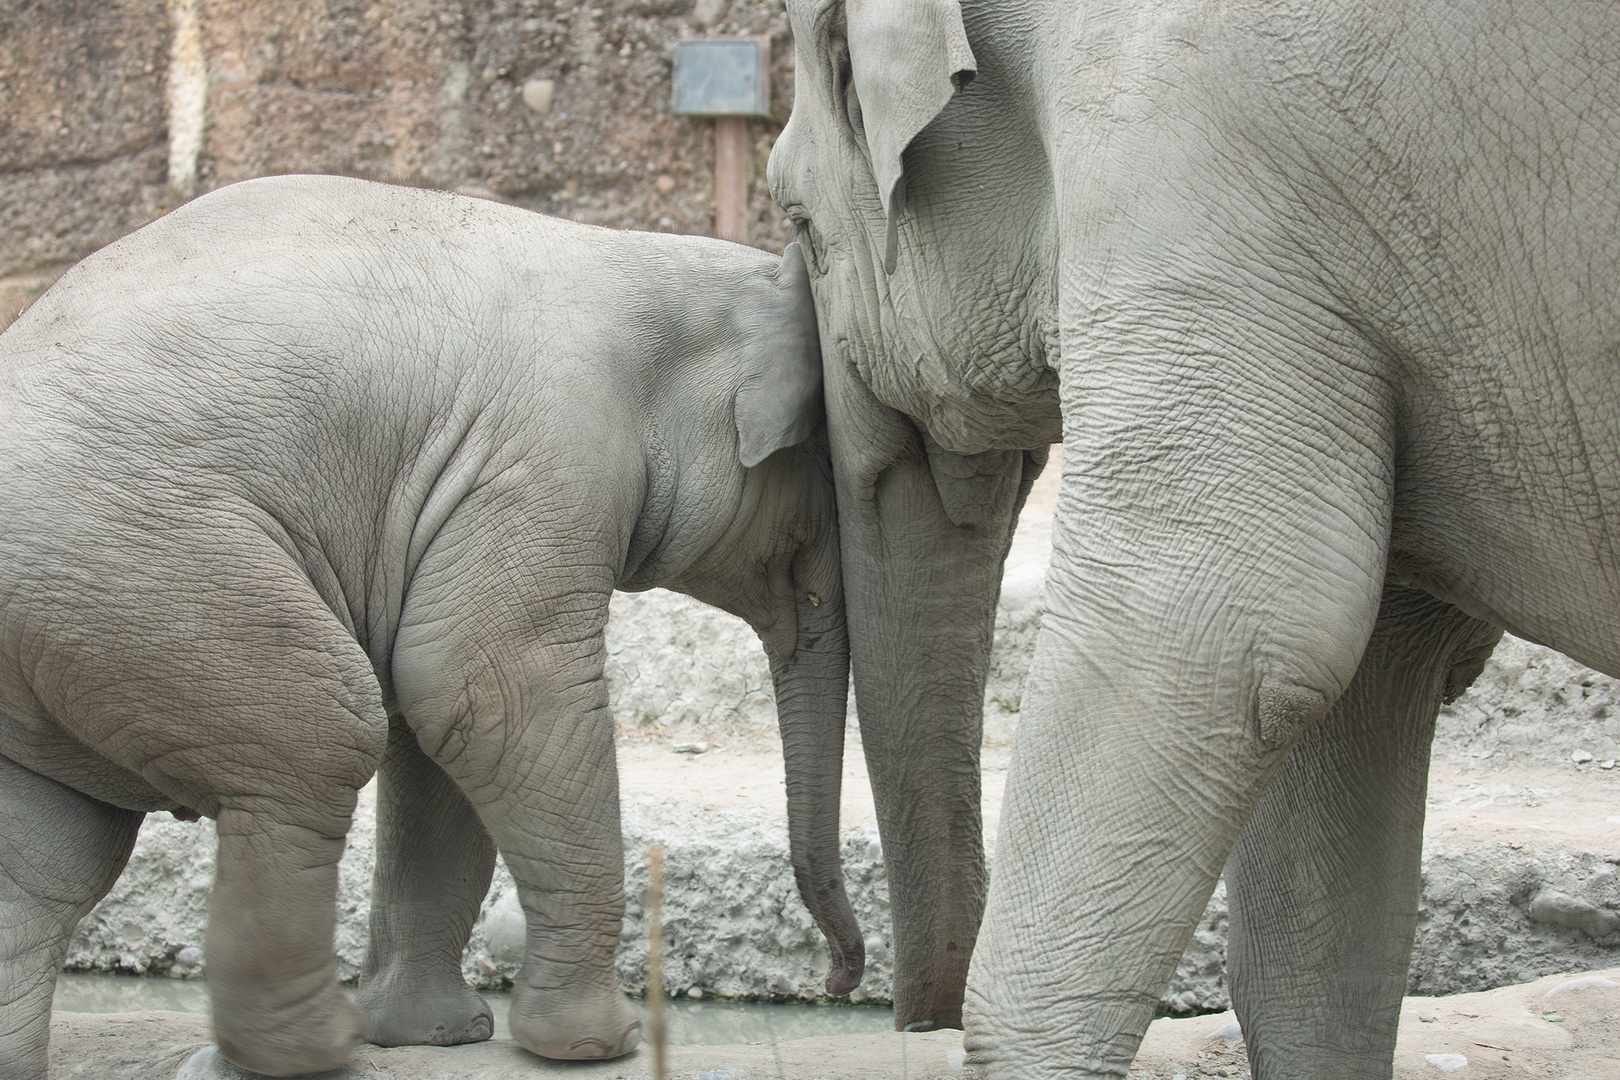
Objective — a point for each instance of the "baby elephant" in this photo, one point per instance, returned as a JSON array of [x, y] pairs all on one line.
[[315, 477]]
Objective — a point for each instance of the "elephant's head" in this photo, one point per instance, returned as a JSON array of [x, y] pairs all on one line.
[[915, 173], [770, 555], [914, 170]]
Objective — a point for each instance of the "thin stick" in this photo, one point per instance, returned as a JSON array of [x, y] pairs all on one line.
[[657, 1034], [776, 1054]]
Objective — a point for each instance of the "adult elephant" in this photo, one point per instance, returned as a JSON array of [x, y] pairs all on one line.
[[1323, 299]]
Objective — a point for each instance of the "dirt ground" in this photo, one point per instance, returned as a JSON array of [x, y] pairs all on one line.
[[1466, 805], [1565, 1027]]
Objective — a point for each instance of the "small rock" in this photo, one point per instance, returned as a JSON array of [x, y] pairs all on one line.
[[1581, 757], [1447, 1062], [538, 94], [691, 748], [955, 1059], [1553, 1018], [1232, 1032], [665, 184], [190, 956], [1571, 912], [1609, 764], [708, 12]]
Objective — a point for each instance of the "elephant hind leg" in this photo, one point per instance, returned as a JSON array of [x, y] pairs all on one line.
[[60, 851], [1324, 881], [434, 863], [295, 751], [238, 692]]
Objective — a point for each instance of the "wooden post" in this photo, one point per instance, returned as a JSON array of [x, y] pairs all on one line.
[[731, 178]]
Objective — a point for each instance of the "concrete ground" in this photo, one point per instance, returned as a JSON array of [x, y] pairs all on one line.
[[1565, 1027]]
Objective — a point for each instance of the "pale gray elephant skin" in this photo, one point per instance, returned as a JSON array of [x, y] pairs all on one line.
[[1324, 301], [315, 475]]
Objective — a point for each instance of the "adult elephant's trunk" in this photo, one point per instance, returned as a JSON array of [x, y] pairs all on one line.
[[922, 564], [812, 688]]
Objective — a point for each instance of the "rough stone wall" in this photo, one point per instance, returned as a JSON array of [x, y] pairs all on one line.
[[83, 133], [423, 92]]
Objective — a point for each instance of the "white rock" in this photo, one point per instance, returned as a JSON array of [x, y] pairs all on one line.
[[538, 95], [1447, 1062], [709, 12], [505, 929], [1572, 912]]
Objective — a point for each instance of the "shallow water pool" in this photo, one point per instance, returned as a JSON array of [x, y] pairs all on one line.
[[690, 1022]]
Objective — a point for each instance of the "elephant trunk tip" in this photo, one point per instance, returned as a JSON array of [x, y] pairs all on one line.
[[848, 963]]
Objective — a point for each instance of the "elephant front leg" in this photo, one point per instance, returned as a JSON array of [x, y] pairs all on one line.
[[434, 863], [1218, 560], [566, 1002], [526, 733], [1325, 880], [60, 851], [551, 801]]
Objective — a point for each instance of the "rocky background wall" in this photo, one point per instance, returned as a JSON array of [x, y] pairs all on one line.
[[115, 111]]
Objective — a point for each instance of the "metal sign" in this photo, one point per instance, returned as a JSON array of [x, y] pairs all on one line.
[[723, 76]]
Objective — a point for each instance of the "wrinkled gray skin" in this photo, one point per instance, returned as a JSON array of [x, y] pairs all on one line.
[[315, 475], [1323, 299]]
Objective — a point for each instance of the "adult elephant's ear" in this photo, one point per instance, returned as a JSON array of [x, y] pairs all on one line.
[[779, 401], [907, 58]]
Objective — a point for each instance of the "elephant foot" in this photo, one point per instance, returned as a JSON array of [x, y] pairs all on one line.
[[325, 1028], [398, 1014], [567, 1025]]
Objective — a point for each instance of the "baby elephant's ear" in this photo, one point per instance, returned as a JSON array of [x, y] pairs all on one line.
[[779, 401]]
